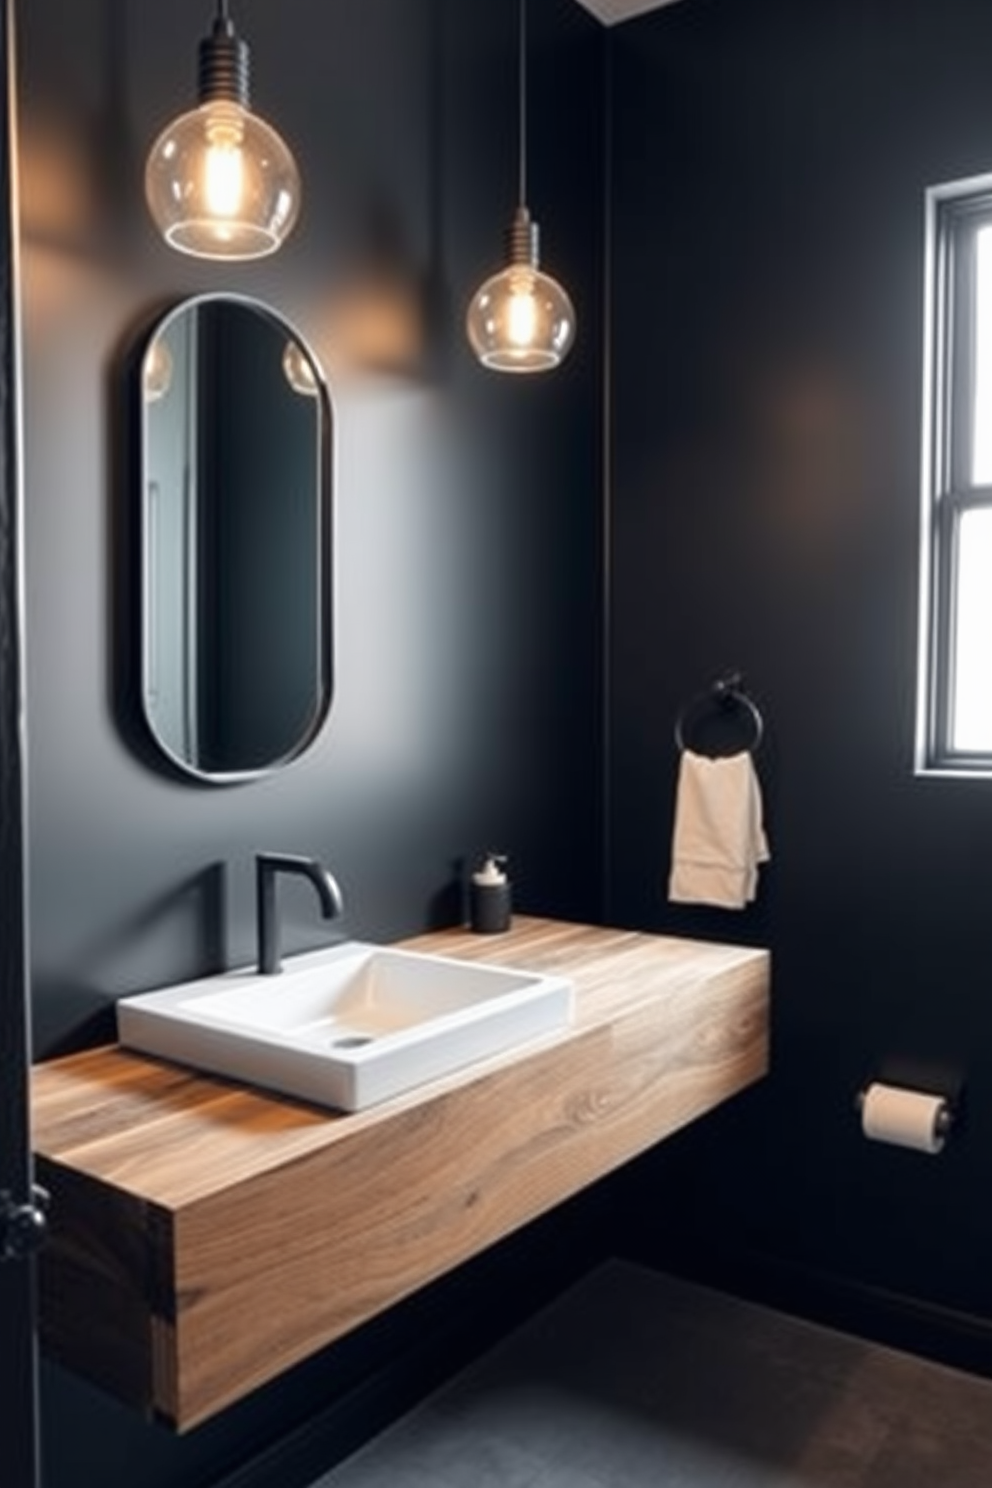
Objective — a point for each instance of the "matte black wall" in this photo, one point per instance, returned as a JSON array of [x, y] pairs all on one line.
[[770, 161], [467, 709]]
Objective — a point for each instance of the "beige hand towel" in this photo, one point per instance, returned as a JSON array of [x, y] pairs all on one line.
[[719, 837]]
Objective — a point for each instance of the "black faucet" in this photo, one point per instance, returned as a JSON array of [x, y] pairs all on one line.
[[267, 867]]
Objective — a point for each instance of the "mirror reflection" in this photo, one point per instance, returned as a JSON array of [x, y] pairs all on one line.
[[235, 538]]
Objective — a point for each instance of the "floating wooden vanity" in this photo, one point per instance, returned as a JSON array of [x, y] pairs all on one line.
[[207, 1236]]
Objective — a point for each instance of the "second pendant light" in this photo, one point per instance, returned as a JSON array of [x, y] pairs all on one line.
[[521, 320]]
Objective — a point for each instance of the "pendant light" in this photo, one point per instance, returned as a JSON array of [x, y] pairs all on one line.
[[220, 182], [521, 320]]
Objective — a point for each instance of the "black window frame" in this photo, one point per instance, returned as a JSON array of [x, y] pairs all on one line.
[[954, 214]]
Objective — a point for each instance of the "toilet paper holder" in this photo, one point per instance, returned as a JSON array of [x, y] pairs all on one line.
[[944, 1118]]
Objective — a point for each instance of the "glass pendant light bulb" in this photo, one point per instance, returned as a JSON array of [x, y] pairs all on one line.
[[220, 182], [521, 320]]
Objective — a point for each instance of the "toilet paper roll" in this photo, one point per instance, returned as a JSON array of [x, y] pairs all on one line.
[[906, 1118]]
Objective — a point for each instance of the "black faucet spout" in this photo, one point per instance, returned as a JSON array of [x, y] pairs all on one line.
[[268, 866]]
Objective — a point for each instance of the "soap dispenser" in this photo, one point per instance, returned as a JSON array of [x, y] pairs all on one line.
[[489, 897]]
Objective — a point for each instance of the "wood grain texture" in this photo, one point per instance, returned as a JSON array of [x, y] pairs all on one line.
[[208, 1236]]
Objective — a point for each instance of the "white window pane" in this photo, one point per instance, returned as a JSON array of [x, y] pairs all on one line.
[[971, 705], [981, 471]]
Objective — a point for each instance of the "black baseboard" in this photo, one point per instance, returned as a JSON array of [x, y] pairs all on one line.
[[915, 1325]]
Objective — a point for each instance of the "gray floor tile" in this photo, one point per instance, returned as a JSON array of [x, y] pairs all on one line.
[[635, 1380]]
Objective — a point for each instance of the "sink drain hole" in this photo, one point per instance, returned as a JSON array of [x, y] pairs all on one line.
[[352, 1041]]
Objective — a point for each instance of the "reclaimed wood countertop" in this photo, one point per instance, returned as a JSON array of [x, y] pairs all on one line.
[[180, 1199]]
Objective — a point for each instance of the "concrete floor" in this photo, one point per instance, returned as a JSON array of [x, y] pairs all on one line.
[[636, 1380]]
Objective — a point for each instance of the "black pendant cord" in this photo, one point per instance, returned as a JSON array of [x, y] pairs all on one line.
[[522, 237], [522, 105]]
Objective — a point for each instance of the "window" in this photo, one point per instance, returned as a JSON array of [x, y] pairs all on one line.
[[954, 729]]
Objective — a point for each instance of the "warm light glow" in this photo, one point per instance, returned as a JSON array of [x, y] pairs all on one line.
[[375, 322], [224, 169], [522, 310], [521, 321], [221, 183], [59, 196]]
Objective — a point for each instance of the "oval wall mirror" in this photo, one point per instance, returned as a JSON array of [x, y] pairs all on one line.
[[235, 529]]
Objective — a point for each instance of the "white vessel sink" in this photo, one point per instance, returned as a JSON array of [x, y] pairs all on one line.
[[348, 1026]]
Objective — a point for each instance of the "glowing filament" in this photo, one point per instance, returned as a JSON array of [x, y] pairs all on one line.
[[224, 169], [522, 312]]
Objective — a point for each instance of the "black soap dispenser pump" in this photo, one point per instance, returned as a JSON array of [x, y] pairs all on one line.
[[489, 897]]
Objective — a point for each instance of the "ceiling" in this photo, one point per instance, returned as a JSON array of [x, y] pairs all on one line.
[[612, 11]]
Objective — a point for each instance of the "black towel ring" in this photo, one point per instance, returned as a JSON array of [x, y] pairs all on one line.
[[723, 703]]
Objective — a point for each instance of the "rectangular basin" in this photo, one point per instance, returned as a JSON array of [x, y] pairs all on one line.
[[348, 1026]]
